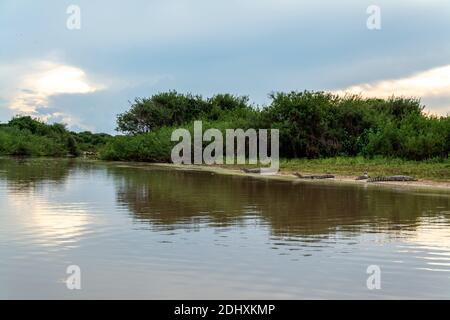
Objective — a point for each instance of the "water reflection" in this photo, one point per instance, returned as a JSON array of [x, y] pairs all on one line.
[[24, 174], [163, 233], [171, 199], [33, 186]]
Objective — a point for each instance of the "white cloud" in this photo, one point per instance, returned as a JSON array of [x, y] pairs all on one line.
[[432, 86], [31, 85], [49, 79]]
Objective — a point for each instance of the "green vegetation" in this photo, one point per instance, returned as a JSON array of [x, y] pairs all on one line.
[[319, 132], [434, 169], [25, 136], [152, 146], [149, 123], [169, 109], [318, 125], [90, 142], [312, 125]]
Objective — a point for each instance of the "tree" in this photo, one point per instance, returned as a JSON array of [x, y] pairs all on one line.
[[163, 109], [172, 108], [25, 123], [72, 146]]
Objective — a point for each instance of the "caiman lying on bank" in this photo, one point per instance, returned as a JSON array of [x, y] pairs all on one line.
[[391, 178], [314, 176], [254, 170]]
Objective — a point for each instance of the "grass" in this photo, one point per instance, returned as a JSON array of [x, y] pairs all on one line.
[[437, 170]]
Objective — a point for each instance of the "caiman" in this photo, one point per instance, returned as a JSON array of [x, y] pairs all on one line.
[[314, 176], [391, 178], [254, 170]]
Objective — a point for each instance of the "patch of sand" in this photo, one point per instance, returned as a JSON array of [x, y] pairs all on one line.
[[340, 179]]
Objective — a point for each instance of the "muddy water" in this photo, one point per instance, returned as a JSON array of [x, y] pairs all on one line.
[[148, 232]]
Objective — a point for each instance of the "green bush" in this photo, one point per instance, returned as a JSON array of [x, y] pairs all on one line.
[[90, 142], [174, 109], [154, 146], [311, 124], [24, 136], [415, 137], [319, 124]]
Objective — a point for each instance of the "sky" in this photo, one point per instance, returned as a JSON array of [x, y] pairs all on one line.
[[85, 76]]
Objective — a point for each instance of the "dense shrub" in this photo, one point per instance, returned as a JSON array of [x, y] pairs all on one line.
[[25, 136], [90, 142], [318, 124], [153, 146], [414, 137], [14, 141], [156, 146], [311, 124], [172, 109]]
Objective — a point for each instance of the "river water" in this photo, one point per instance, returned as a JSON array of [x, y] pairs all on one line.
[[146, 232]]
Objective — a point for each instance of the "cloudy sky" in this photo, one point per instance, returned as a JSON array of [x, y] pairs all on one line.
[[135, 48]]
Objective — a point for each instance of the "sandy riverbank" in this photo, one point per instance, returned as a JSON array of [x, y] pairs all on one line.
[[339, 179]]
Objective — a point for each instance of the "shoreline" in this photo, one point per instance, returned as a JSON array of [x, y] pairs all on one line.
[[282, 175], [287, 175]]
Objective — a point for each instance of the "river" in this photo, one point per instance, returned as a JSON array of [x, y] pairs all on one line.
[[138, 231]]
